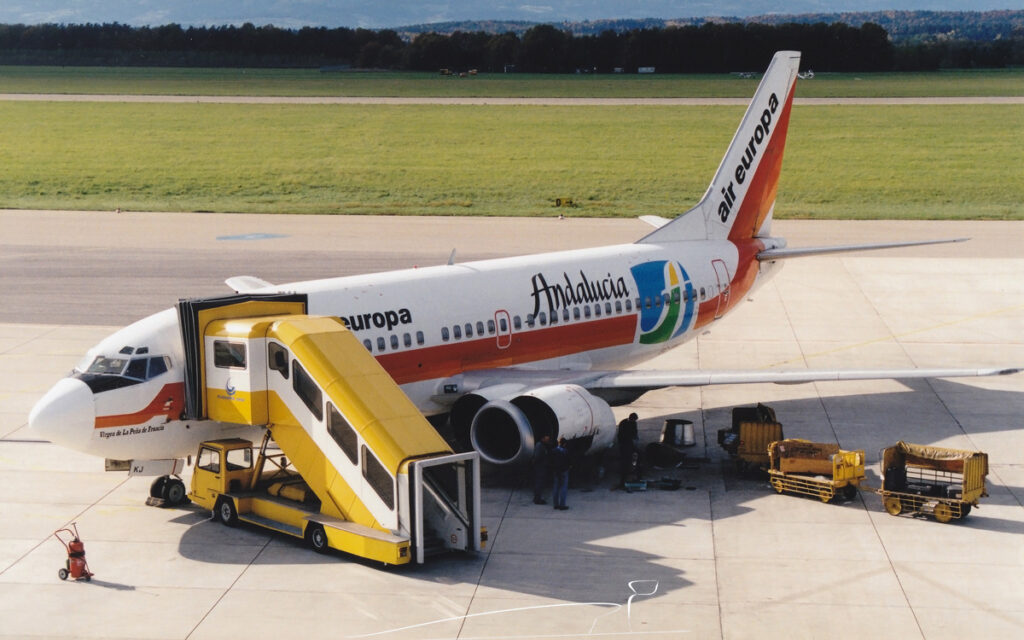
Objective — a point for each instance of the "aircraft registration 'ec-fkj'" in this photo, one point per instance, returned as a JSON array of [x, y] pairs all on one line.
[[509, 349]]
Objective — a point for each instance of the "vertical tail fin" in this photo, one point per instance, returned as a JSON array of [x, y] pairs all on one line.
[[738, 203]]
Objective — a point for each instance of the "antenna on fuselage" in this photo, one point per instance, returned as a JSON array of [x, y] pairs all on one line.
[[451, 258]]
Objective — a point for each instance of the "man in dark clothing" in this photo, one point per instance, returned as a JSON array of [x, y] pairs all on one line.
[[560, 470], [541, 468], [628, 440]]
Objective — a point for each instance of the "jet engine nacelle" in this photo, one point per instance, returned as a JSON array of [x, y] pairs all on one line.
[[506, 430]]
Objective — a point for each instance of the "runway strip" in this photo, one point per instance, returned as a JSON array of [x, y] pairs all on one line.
[[609, 102]]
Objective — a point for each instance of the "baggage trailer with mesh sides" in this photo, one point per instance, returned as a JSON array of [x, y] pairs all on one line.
[[944, 483], [753, 429], [817, 469]]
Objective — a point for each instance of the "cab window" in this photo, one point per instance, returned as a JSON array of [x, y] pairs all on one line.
[[209, 460], [239, 459]]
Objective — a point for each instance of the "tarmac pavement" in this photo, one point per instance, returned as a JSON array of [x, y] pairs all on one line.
[[723, 557]]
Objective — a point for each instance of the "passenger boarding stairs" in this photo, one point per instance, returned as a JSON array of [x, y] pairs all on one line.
[[381, 472]]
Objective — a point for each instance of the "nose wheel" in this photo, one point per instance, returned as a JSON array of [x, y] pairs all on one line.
[[167, 491]]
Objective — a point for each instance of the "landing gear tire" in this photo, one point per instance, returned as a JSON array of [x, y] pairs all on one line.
[[317, 538], [893, 505], [225, 511], [174, 491], [156, 490]]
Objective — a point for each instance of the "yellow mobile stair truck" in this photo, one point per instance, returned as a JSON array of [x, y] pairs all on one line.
[[359, 469], [944, 483], [816, 469]]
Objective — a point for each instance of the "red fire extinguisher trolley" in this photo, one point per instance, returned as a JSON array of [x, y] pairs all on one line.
[[76, 566]]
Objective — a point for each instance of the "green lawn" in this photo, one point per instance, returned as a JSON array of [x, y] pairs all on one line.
[[841, 161], [302, 82]]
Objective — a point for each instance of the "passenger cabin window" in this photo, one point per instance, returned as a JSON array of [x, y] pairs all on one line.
[[343, 433], [675, 295], [308, 391], [490, 327], [419, 337], [503, 323], [407, 340], [277, 357], [469, 330], [597, 310], [629, 304], [228, 355], [209, 460], [618, 306], [479, 328], [369, 345], [381, 345], [607, 308], [565, 315], [702, 294], [378, 478], [576, 313], [529, 320], [517, 324], [444, 334], [394, 342], [543, 317], [457, 332]]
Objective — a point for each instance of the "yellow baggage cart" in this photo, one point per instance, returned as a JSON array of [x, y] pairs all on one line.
[[920, 479], [816, 469], [753, 428]]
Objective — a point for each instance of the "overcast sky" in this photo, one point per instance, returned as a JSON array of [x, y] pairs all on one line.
[[394, 13]]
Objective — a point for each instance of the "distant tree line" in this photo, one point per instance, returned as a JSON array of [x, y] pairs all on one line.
[[707, 48]]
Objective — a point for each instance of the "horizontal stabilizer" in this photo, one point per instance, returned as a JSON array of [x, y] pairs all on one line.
[[656, 221], [247, 284], [782, 254]]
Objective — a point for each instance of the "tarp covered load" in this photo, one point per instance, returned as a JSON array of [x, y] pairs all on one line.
[[938, 458]]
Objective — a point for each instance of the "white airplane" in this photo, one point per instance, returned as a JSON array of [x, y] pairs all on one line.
[[509, 349]]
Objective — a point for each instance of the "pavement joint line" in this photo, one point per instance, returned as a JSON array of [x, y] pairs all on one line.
[[898, 337], [228, 589], [65, 525], [714, 554], [483, 566]]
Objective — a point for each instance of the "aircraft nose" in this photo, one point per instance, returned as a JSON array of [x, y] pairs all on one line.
[[66, 415]]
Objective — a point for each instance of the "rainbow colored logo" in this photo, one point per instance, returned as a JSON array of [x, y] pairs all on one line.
[[667, 300]]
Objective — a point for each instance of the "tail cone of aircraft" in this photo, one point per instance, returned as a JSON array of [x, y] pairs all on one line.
[[66, 415]]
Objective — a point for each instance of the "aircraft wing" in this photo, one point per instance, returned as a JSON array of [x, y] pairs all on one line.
[[623, 387]]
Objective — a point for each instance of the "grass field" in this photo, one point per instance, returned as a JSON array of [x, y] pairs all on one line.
[[298, 82], [937, 162]]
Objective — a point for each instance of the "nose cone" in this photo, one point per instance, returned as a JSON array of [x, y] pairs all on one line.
[[66, 415]]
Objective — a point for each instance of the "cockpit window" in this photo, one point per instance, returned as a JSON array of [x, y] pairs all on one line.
[[108, 366], [106, 373]]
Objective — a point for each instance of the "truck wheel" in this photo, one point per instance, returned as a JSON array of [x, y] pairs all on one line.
[[943, 513], [62, 574], [226, 512], [777, 485], [174, 491], [965, 510], [850, 491], [893, 506], [317, 537]]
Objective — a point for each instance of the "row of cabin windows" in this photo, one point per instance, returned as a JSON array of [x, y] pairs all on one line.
[[375, 473], [584, 312], [382, 344]]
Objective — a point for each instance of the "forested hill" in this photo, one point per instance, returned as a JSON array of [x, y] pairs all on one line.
[[902, 26]]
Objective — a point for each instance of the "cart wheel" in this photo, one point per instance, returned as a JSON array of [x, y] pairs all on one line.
[[63, 574], [88, 577], [826, 495], [174, 491], [943, 513], [226, 512], [965, 510], [893, 506], [850, 491], [777, 485], [317, 538]]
